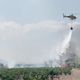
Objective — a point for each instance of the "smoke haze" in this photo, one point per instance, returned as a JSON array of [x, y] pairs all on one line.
[[34, 43]]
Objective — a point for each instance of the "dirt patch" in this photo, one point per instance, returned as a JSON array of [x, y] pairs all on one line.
[[75, 75]]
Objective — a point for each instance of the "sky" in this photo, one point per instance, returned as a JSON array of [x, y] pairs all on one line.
[[32, 31]]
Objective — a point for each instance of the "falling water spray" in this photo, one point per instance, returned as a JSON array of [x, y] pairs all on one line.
[[66, 42], [68, 55]]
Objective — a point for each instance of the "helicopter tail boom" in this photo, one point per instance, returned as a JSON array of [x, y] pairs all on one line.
[[64, 15]]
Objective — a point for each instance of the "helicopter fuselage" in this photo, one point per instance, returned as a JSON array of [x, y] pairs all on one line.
[[72, 17]]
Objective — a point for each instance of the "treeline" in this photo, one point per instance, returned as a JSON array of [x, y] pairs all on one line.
[[33, 73]]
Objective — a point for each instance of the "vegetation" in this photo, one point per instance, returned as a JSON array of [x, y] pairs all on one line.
[[32, 73]]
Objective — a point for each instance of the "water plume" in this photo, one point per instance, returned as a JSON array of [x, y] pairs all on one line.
[[66, 42]]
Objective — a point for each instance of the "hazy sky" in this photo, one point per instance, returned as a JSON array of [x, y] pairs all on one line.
[[31, 31], [30, 11]]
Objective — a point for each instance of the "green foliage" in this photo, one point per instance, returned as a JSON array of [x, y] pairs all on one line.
[[66, 71], [32, 73]]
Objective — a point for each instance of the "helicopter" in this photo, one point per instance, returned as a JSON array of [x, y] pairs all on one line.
[[71, 17]]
